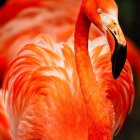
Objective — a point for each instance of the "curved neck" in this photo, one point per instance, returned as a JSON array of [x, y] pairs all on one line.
[[83, 63], [98, 117]]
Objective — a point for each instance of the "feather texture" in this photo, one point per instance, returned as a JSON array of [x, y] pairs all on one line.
[[43, 94]]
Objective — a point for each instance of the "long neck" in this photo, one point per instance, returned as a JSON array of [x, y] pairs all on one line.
[[99, 123], [84, 67]]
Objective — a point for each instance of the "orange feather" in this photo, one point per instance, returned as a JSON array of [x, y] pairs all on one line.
[[50, 15], [44, 94], [4, 126], [42, 87]]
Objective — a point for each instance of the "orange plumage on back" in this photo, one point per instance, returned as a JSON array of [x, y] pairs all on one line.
[[33, 17], [57, 91], [48, 99], [44, 95]]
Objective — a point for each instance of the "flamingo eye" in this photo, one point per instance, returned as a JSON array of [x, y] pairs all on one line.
[[99, 10]]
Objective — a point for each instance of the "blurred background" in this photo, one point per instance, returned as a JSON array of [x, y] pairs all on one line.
[[129, 17], [129, 11]]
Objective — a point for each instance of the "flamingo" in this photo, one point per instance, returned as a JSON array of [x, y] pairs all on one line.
[[57, 91], [42, 13]]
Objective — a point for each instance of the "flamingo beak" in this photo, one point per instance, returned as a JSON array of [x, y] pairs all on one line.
[[118, 57], [118, 47]]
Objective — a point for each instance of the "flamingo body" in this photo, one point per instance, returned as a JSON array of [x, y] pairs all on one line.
[[44, 98], [33, 18], [55, 91]]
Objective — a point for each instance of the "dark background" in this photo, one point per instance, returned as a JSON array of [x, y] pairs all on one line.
[[129, 19]]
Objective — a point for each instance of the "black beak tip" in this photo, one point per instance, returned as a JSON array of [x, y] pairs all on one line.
[[118, 59], [116, 74]]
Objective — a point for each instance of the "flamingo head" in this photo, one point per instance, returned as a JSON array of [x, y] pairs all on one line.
[[104, 15]]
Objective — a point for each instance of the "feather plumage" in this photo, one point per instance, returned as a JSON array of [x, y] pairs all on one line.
[[42, 84]]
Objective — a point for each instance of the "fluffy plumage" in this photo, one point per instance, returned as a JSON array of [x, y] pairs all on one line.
[[44, 96]]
